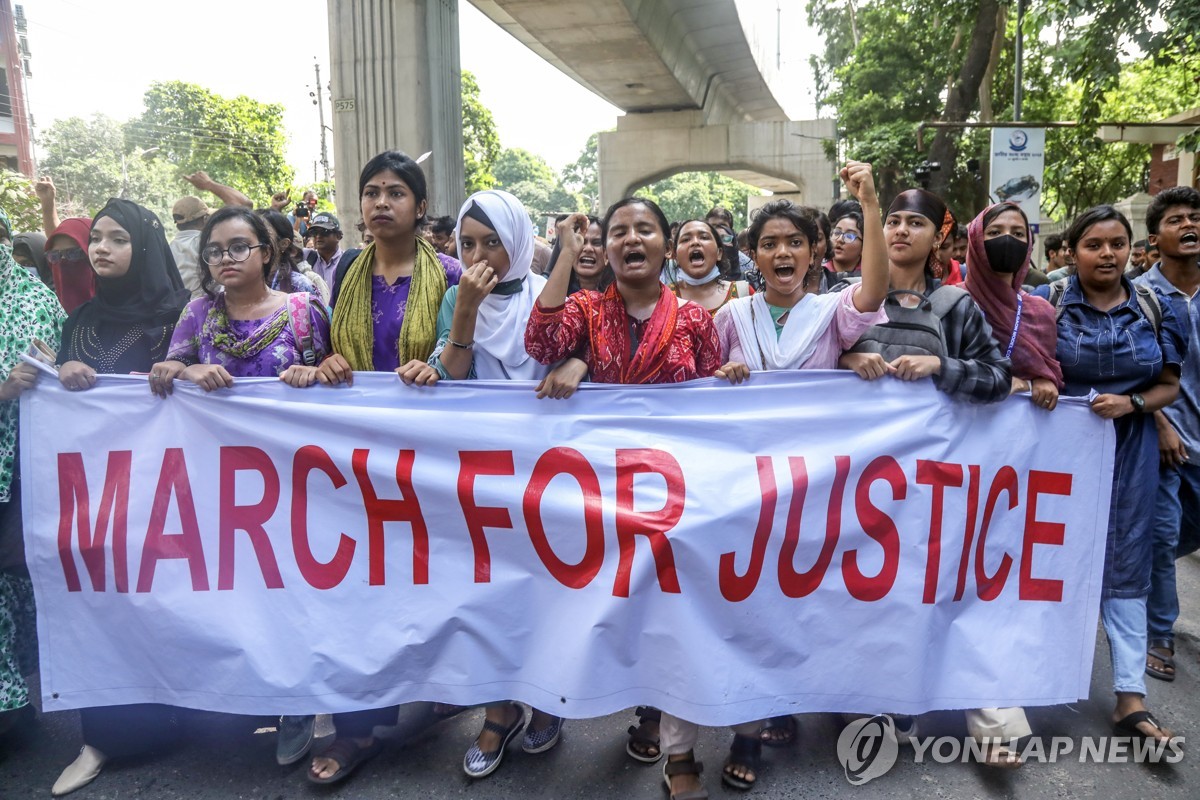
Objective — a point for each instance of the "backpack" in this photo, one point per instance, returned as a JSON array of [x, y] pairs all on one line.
[[300, 321], [911, 331], [1147, 300]]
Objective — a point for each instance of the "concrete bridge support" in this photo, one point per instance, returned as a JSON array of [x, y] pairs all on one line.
[[786, 156], [395, 85]]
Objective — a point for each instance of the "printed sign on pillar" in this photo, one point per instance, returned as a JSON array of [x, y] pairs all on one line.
[[1018, 155]]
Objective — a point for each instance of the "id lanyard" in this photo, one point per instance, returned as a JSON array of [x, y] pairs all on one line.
[[1016, 327]]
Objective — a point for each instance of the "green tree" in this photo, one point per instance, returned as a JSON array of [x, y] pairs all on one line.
[[90, 161], [690, 195], [888, 66], [238, 141], [19, 202], [514, 165], [583, 175], [1081, 170], [481, 144], [529, 178]]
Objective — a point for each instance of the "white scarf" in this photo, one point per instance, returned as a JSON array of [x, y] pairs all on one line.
[[807, 321], [502, 319]]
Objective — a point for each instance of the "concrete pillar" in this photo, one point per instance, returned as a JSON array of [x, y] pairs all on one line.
[[395, 81], [1134, 208], [648, 147]]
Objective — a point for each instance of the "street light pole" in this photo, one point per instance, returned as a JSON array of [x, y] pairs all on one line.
[[1018, 75], [320, 101]]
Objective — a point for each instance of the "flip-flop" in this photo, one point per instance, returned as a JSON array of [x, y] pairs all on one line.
[[1164, 652], [348, 756], [1129, 725]]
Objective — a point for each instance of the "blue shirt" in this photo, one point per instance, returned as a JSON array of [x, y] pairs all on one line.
[[1184, 413]]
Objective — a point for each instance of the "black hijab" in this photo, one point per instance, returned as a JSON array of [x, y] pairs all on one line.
[[151, 293], [34, 245]]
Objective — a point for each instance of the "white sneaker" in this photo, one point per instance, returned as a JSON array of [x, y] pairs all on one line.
[[82, 771]]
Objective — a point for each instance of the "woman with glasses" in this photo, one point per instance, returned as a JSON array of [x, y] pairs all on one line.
[[125, 328], [245, 328], [847, 239]]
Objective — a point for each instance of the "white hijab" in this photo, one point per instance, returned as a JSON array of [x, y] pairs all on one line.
[[500, 326], [806, 323]]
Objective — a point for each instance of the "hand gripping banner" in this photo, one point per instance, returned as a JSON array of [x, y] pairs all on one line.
[[804, 542]]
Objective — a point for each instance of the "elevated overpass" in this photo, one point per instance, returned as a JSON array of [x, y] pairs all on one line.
[[696, 79]]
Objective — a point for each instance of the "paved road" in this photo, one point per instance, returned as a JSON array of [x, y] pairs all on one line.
[[223, 757]]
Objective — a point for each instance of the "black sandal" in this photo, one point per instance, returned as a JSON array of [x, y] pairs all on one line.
[[684, 766], [1157, 649], [745, 752], [348, 756], [638, 736], [779, 731], [1128, 726]]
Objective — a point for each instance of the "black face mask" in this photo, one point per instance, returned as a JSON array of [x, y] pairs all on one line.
[[1005, 253]]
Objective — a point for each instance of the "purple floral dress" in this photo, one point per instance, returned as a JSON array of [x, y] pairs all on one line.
[[252, 348], [387, 312]]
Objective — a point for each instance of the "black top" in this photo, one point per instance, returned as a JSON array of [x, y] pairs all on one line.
[[127, 326]]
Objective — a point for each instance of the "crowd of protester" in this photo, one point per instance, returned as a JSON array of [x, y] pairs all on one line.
[[902, 293]]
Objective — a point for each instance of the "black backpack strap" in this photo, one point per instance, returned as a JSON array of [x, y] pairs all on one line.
[[342, 268], [311, 257]]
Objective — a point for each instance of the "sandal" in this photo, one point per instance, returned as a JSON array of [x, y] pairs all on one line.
[[1128, 725], [348, 756], [745, 752], [1164, 651], [639, 737], [1001, 757], [779, 731], [684, 766], [478, 764]]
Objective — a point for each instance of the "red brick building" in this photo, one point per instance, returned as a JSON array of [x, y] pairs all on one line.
[[16, 139]]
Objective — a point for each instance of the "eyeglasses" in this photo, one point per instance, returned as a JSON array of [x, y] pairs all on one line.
[[238, 253], [320, 232], [59, 256], [846, 236]]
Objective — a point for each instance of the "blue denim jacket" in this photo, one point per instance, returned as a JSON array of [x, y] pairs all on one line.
[[1118, 352]]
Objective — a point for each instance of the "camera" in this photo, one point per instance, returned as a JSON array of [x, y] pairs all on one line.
[[301, 210]]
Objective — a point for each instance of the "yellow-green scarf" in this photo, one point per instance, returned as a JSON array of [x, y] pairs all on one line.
[[353, 331]]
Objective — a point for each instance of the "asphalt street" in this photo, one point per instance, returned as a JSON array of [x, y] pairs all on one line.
[[223, 756]]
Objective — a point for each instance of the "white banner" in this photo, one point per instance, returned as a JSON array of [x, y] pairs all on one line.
[[1017, 164], [805, 542]]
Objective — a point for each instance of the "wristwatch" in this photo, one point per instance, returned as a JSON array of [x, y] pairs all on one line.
[[1139, 403]]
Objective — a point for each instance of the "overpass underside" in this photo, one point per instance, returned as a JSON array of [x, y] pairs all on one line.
[[779, 156], [694, 77]]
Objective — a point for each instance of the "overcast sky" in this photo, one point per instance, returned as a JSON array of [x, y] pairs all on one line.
[[98, 57]]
